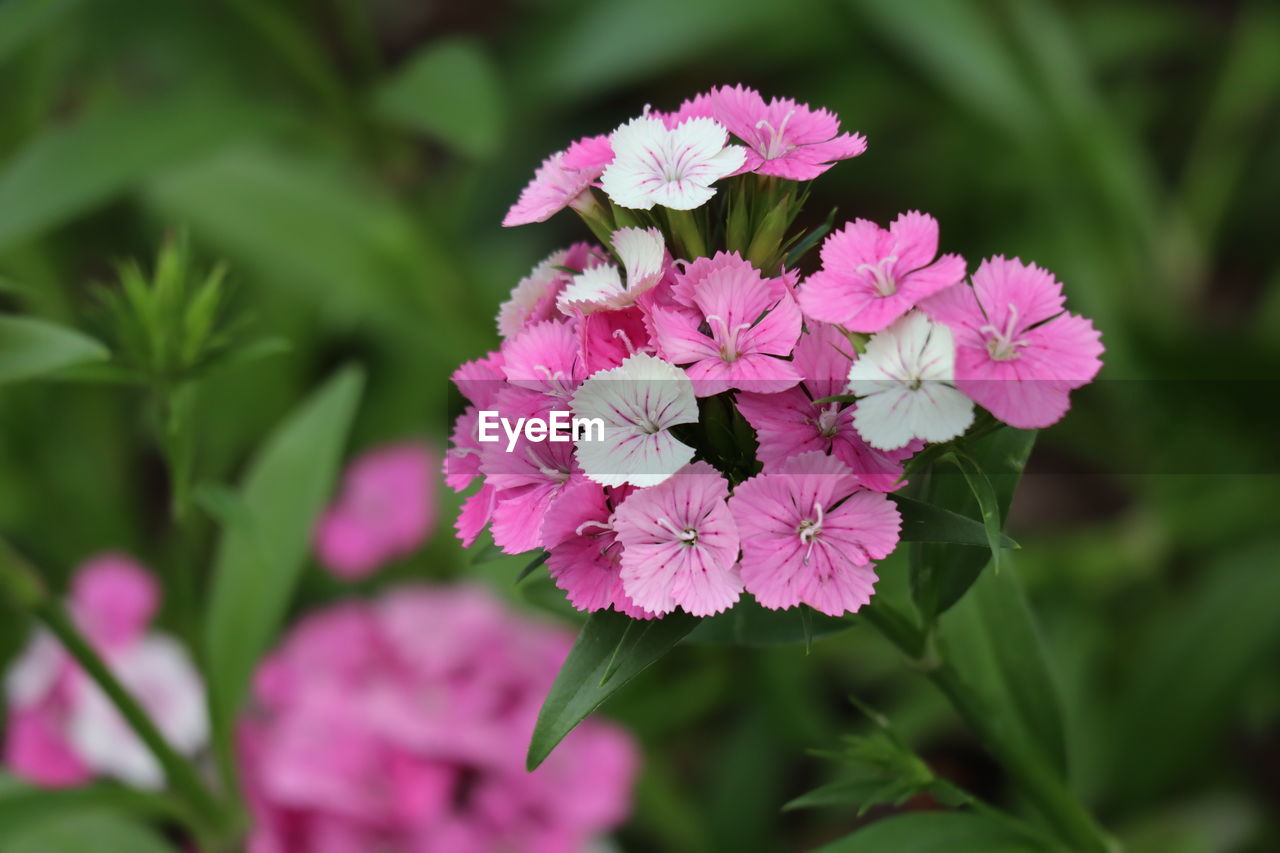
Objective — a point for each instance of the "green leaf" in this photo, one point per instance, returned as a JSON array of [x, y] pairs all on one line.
[[86, 832], [922, 522], [941, 573], [532, 566], [69, 170], [22, 20], [30, 348], [450, 90], [605, 643], [23, 805], [749, 624], [985, 495], [260, 558], [935, 832]]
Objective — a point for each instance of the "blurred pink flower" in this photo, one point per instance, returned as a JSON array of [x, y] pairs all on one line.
[[784, 139], [386, 510], [561, 181], [401, 726], [62, 730]]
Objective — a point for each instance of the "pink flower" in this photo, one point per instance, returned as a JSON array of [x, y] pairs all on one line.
[[62, 730], [871, 276], [1018, 352], [783, 138], [533, 299], [386, 510], [672, 167], [751, 323], [400, 725], [790, 423], [563, 180], [583, 551], [545, 357], [680, 545], [809, 535]]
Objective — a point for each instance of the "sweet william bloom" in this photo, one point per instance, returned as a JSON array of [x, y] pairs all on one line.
[[810, 534], [61, 729], [479, 381], [790, 422], [680, 544], [870, 276], [783, 138], [905, 380], [639, 402], [672, 167], [545, 357], [400, 726], [584, 556], [643, 255], [736, 334], [534, 298], [386, 510], [563, 180], [1018, 352]]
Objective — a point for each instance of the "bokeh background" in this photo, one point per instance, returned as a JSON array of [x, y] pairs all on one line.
[[351, 160]]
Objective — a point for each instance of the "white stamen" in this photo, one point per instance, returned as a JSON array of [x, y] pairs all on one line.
[[880, 274], [1000, 345]]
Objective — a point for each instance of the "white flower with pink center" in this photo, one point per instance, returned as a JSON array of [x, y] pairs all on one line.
[[672, 167]]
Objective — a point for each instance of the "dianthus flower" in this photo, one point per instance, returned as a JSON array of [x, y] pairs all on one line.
[[601, 287], [533, 299], [672, 167], [584, 556], [563, 180], [783, 138]]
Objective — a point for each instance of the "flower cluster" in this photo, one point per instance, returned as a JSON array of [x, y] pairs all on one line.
[[62, 729], [401, 725], [743, 422]]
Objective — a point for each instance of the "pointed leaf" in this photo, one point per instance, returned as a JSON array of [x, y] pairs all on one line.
[[84, 832], [935, 832], [985, 495], [30, 348], [922, 522], [749, 624]]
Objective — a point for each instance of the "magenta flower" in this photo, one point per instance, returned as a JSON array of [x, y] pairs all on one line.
[[584, 556], [401, 725], [871, 276], [546, 357], [738, 330], [386, 510], [680, 545], [563, 180], [1019, 354], [479, 381], [783, 138], [62, 730], [810, 534], [790, 422], [533, 299]]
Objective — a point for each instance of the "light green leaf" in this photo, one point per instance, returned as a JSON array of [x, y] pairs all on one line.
[[450, 90], [609, 645], [23, 805], [258, 563], [935, 832], [85, 832], [30, 348], [22, 20]]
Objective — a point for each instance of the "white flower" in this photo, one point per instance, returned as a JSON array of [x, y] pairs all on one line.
[[638, 401], [674, 168], [641, 251], [906, 384], [160, 675]]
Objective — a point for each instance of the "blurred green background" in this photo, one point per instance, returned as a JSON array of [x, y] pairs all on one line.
[[351, 159]]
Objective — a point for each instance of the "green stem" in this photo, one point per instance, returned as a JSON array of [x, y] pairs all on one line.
[[687, 234], [1042, 787]]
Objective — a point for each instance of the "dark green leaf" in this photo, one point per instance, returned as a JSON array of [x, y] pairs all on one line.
[[577, 690], [22, 805], [922, 522], [533, 566], [30, 348], [985, 495], [749, 624], [935, 832]]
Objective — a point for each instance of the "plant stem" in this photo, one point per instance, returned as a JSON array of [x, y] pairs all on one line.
[[688, 236], [1043, 788]]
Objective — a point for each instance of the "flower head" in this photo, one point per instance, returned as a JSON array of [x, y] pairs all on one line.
[[783, 138], [672, 167], [534, 298], [639, 402], [563, 179], [906, 383], [546, 358], [809, 535], [738, 330], [1018, 352], [680, 544], [643, 255], [870, 276]]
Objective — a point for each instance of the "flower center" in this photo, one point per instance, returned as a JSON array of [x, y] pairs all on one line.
[[809, 530], [775, 144], [687, 537], [726, 337], [828, 422], [1000, 343], [557, 382], [881, 273]]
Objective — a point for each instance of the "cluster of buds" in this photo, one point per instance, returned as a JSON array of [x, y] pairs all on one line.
[[676, 415]]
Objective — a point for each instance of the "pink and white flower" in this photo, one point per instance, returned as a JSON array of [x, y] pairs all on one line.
[[1019, 353], [601, 287], [680, 544], [672, 167], [783, 138], [545, 358], [639, 402], [751, 324], [810, 534], [871, 276], [533, 299], [905, 381], [563, 180]]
